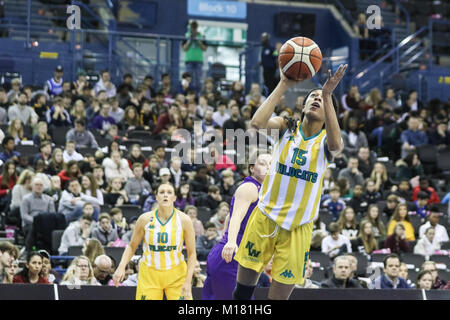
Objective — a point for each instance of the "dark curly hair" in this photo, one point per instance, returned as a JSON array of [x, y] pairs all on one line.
[[291, 123]]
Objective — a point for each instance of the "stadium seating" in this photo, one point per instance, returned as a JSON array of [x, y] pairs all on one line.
[[129, 211], [56, 240]]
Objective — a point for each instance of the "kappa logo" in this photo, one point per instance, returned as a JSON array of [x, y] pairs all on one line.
[[152, 226], [291, 138], [252, 252], [143, 297], [287, 274]]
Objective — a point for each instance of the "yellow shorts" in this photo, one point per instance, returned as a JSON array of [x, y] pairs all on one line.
[[263, 238], [153, 283]]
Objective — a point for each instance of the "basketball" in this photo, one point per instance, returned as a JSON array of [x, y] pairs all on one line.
[[300, 58]]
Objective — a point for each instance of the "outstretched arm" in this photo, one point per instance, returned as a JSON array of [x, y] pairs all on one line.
[[334, 139], [262, 117]]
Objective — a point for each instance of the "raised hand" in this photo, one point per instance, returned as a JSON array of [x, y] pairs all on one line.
[[333, 81]]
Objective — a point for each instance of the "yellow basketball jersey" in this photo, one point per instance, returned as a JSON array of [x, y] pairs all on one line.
[[290, 193], [163, 243]]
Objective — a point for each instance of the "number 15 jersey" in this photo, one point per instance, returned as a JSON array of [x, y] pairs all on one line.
[[291, 191]]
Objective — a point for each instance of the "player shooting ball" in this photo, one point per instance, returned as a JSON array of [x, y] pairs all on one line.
[[282, 223]]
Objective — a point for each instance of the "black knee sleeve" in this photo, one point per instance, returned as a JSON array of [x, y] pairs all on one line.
[[243, 292]]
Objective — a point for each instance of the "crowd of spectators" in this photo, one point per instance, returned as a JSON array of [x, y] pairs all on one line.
[[367, 206]]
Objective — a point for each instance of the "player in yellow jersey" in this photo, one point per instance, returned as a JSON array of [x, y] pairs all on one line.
[[281, 225], [162, 268]]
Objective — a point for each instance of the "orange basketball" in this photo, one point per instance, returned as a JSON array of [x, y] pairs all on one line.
[[300, 58]]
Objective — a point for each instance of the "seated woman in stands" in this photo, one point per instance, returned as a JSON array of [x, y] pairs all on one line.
[[71, 171], [7, 181], [56, 163], [347, 223], [41, 134], [135, 155], [116, 166], [409, 167], [401, 216], [365, 242], [15, 130], [31, 271], [92, 249], [380, 176], [115, 193], [90, 188], [378, 227], [80, 272], [397, 241]]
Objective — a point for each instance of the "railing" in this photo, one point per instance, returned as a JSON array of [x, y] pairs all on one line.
[[378, 72], [405, 12]]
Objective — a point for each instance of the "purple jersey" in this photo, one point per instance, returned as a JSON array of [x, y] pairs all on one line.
[[247, 215], [221, 276]]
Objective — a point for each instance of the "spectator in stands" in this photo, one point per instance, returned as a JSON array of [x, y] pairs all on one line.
[[409, 167], [194, 47], [184, 197], [8, 150], [98, 175], [206, 242], [397, 241], [198, 277], [54, 86], [220, 217], [159, 106], [425, 280], [40, 106], [42, 133], [412, 103], [135, 156], [420, 205], [440, 136], [15, 130], [403, 273], [78, 112], [177, 176], [378, 227], [341, 275], [136, 187], [191, 211], [116, 112], [76, 234], [390, 279], [131, 226], [358, 201], [148, 82], [80, 272], [353, 137], [334, 204], [115, 194], [335, 243], [430, 266], [4, 103], [365, 242], [45, 153], [13, 94], [347, 223], [360, 27], [82, 137], [103, 121], [131, 119], [89, 187], [118, 221], [365, 161], [401, 215], [73, 200], [52, 276], [34, 203], [211, 200], [351, 173], [221, 160], [427, 245], [391, 205], [235, 121], [441, 234], [19, 191], [92, 248], [57, 115], [102, 269], [31, 271], [8, 253], [56, 163], [7, 181], [412, 137], [105, 84], [227, 186], [72, 171], [328, 181], [115, 166], [167, 119], [403, 191], [380, 176], [70, 154], [424, 185], [221, 115], [371, 194], [104, 232]]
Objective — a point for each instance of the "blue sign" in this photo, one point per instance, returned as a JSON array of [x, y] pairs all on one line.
[[219, 9]]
